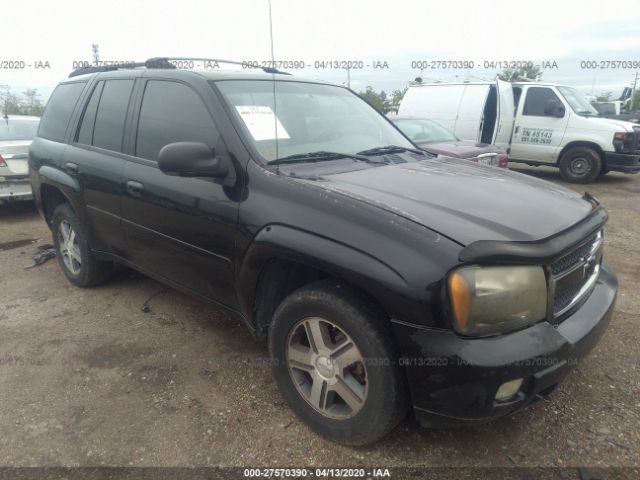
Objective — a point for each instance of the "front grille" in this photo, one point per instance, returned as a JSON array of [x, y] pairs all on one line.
[[563, 299], [574, 275], [635, 147], [571, 259]]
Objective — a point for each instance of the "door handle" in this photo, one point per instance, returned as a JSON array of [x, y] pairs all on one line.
[[516, 130], [71, 168], [135, 189]]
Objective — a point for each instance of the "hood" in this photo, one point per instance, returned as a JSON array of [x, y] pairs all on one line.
[[611, 123], [465, 201], [460, 148]]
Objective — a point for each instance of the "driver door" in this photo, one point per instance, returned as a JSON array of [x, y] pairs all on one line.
[[179, 228], [537, 134]]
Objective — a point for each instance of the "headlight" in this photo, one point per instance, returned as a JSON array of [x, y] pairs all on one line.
[[623, 136], [623, 141], [489, 300]]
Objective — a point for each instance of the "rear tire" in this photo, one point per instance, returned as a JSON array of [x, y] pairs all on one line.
[[73, 251], [580, 165], [328, 342]]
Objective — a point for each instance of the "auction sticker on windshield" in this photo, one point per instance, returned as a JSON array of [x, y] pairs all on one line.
[[262, 122]]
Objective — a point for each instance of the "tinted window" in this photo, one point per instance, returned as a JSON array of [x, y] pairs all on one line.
[[112, 111], [85, 135], [172, 112], [536, 101], [59, 109]]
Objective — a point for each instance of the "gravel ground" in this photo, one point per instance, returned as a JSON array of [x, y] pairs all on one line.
[[88, 378]]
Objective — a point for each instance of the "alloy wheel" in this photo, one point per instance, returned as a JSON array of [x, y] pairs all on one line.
[[327, 368], [69, 248]]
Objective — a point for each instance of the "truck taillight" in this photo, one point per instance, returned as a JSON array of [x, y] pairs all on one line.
[[503, 160], [2, 162]]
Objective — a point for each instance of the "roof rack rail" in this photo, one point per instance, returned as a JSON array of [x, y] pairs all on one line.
[[151, 63], [217, 60], [161, 62]]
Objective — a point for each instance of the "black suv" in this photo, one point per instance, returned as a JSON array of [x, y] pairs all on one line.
[[382, 277]]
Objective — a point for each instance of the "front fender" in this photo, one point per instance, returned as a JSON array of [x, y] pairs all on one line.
[[343, 261]]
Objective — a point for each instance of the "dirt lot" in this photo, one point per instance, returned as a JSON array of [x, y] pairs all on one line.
[[88, 378]]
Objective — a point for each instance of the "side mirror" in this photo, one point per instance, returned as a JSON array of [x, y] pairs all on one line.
[[191, 159], [554, 108]]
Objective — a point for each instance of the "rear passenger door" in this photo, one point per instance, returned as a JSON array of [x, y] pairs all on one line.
[[181, 229], [95, 158]]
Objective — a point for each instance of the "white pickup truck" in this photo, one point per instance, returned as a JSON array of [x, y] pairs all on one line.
[[538, 124]]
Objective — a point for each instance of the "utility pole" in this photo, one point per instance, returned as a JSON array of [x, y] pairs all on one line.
[[95, 48], [633, 91]]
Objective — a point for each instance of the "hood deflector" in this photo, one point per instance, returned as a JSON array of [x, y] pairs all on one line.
[[539, 251]]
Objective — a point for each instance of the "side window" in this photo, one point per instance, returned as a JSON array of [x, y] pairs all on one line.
[[85, 135], [111, 114], [55, 119], [172, 112], [537, 99]]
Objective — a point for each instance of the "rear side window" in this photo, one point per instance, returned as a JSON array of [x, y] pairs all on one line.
[[537, 99], [55, 119], [108, 129], [172, 112], [85, 135]]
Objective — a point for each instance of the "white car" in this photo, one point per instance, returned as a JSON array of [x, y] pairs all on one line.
[[16, 133], [537, 123]]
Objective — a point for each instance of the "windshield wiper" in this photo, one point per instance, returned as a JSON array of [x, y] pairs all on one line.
[[389, 149], [319, 156]]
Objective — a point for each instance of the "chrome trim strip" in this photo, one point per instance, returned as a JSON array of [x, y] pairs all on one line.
[[14, 156]]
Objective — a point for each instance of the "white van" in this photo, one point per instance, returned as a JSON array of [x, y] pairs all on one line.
[[538, 124]]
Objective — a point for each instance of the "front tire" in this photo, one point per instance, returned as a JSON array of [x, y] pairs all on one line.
[[580, 165], [73, 252], [335, 363]]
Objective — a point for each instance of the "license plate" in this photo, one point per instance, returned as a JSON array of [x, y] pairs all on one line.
[[490, 160]]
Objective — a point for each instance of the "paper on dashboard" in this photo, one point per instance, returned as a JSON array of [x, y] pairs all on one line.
[[262, 122]]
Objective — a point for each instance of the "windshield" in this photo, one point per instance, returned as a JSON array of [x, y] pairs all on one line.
[[577, 101], [285, 118], [17, 129], [425, 131]]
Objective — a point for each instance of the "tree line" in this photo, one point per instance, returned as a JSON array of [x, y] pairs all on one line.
[[26, 103]]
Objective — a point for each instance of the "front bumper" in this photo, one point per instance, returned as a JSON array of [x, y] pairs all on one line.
[[623, 162], [15, 190], [453, 380]]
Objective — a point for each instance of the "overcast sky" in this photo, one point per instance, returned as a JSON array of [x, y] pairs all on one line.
[[396, 31]]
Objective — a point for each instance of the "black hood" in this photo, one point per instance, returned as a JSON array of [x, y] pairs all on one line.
[[465, 201]]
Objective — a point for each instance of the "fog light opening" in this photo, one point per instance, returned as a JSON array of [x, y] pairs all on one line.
[[508, 390]]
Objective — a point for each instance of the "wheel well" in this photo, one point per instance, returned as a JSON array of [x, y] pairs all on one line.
[[280, 277], [592, 145], [51, 198]]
